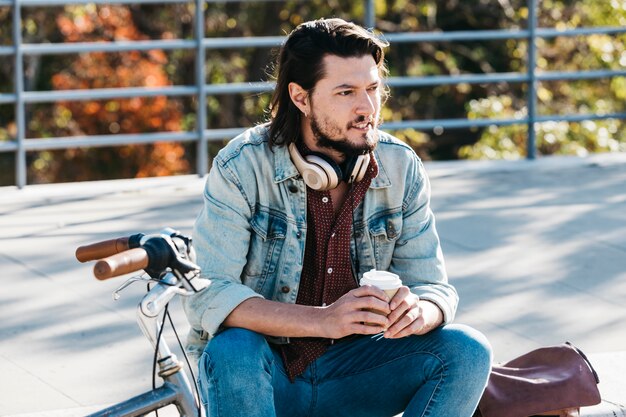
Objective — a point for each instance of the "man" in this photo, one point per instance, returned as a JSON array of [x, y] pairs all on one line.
[[289, 334]]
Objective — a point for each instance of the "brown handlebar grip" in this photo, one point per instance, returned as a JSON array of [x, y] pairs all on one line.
[[102, 249], [122, 263]]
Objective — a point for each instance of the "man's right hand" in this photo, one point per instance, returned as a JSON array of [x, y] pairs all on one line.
[[348, 315]]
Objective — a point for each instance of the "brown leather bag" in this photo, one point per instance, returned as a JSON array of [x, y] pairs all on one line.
[[554, 380]]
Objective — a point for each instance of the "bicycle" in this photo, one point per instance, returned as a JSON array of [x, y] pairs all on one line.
[[168, 260]]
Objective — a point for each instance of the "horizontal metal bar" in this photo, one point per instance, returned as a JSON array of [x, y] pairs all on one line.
[[146, 45], [8, 146], [220, 134], [264, 86], [234, 88], [107, 93], [467, 123], [129, 92], [599, 30], [117, 46], [216, 134], [469, 35], [450, 123], [63, 2], [573, 118], [400, 82], [243, 42], [456, 79], [30, 3], [69, 142], [579, 75], [477, 35], [7, 50], [7, 98], [273, 41]]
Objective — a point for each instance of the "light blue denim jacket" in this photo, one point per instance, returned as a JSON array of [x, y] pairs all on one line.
[[251, 233]]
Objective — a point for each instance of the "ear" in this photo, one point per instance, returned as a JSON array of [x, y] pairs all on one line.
[[299, 97]]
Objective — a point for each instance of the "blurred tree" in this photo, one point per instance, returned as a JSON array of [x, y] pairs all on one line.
[[107, 70], [77, 23], [595, 52], [446, 58]]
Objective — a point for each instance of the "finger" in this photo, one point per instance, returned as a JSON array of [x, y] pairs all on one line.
[[370, 290], [402, 294], [402, 307], [371, 318], [415, 328], [368, 302], [400, 310], [405, 325]]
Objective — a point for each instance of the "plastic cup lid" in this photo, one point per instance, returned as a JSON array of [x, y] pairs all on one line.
[[381, 279]]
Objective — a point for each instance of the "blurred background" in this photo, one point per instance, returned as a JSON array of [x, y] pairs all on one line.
[[93, 91]]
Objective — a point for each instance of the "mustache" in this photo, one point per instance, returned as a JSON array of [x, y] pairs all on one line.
[[375, 121]]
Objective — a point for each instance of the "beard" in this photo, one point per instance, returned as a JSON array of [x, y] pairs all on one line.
[[326, 133]]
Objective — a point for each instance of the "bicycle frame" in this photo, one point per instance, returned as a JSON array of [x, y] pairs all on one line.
[[176, 388]]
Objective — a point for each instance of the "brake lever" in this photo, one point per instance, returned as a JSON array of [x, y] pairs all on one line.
[[127, 283]]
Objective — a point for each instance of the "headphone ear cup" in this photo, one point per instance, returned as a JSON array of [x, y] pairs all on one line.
[[315, 178], [317, 173], [331, 173], [358, 170]]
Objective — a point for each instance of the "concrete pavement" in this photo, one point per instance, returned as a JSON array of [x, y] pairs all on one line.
[[537, 250]]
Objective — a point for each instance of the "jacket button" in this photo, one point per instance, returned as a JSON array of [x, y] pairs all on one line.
[[285, 289], [293, 188], [298, 234]]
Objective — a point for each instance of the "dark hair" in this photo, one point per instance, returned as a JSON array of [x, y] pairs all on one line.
[[301, 61]]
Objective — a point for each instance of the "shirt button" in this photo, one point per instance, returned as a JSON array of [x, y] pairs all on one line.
[[324, 199], [329, 270], [333, 235], [285, 289]]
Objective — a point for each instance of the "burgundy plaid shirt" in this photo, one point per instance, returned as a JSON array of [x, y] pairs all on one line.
[[327, 270]]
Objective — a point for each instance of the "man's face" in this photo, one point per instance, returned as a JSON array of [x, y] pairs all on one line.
[[345, 106]]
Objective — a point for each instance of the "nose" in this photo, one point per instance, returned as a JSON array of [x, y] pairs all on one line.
[[366, 104]]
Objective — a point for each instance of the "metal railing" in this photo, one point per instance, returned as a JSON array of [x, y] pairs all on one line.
[[200, 91]]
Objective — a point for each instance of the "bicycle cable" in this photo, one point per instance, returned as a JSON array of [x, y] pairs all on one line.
[[166, 314], [156, 351], [193, 377]]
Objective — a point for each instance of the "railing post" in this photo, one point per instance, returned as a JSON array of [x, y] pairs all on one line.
[[20, 116], [370, 14], [532, 80], [201, 116]]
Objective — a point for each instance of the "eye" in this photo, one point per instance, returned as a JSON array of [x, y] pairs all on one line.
[[345, 92]]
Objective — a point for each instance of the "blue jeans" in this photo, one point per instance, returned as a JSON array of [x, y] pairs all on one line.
[[440, 374]]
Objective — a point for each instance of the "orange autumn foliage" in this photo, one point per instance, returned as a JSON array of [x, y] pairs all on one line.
[[114, 70]]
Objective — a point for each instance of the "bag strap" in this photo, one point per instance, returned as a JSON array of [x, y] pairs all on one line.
[[580, 352]]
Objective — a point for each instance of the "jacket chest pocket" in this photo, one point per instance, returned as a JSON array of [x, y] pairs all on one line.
[[384, 232], [269, 230]]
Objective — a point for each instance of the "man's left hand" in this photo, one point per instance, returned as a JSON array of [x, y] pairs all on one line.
[[410, 315]]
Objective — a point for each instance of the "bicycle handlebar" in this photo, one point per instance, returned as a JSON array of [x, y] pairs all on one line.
[[155, 254], [130, 260], [106, 248]]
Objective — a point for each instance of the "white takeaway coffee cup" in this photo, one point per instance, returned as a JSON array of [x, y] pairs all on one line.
[[386, 281]]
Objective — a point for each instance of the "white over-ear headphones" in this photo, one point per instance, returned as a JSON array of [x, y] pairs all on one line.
[[321, 173]]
